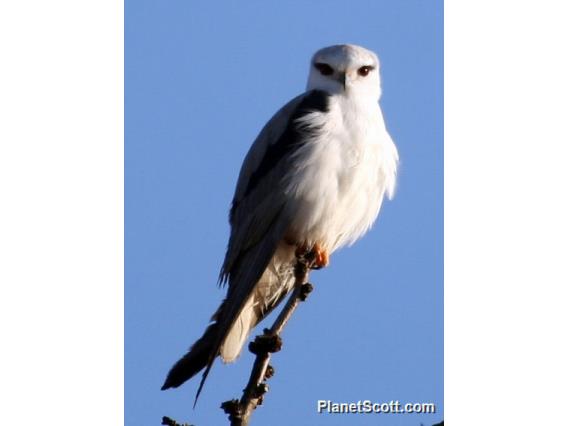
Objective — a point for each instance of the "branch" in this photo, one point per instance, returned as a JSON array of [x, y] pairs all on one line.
[[264, 345], [171, 422]]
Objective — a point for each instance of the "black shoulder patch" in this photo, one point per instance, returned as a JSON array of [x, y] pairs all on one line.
[[293, 137]]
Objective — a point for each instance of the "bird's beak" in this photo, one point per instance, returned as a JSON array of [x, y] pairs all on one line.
[[342, 78]]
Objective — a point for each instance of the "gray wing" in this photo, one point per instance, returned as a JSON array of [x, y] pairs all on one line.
[[256, 203], [259, 198], [258, 216]]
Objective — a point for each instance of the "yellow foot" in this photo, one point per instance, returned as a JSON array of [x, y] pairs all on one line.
[[320, 256]]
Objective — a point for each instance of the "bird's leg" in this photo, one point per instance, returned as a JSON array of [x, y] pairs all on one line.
[[318, 254], [302, 251]]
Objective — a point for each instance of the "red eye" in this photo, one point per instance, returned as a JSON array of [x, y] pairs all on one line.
[[324, 69], [364, 71]]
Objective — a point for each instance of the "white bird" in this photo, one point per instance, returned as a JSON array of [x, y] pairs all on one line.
[[314, 179]]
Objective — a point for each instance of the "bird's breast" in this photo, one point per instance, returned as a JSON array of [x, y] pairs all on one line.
[[336, 185]]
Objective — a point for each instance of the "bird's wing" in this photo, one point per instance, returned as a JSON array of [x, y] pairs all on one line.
[[259, 196], [258, 215]]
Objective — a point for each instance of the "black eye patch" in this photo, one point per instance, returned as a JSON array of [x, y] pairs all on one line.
[[323, 68]]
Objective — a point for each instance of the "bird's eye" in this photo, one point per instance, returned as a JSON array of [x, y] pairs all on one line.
[[324, 69], [364, 71]]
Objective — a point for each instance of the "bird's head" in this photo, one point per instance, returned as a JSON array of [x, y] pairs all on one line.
[[345, 69]]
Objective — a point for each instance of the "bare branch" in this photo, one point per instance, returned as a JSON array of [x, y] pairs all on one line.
[[264, 345]]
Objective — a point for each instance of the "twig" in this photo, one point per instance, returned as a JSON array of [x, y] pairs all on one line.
[[264, 345], [171, 422]]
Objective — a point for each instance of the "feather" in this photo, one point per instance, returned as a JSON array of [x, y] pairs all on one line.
[[238, 332]]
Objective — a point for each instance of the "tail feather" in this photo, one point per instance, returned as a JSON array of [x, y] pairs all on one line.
[[194, 361], [238, 333]]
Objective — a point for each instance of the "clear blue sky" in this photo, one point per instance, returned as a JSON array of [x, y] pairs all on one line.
[[201, 79]]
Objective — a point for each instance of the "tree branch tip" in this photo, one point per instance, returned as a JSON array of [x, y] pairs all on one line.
[[171, 422]]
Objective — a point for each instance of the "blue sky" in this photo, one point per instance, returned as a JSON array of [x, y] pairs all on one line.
[[201, 79]]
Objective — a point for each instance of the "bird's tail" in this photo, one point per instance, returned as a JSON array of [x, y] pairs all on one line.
[[229, 331], [202, 351], [194, 361]]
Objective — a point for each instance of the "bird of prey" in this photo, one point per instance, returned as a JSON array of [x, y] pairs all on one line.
[[314, 178]]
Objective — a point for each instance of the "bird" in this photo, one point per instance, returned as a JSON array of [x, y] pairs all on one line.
[[314, 179]]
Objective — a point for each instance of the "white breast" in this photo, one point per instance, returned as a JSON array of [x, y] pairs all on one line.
[[342, 174]]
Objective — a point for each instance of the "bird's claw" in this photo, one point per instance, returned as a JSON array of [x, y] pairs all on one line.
[[317, 257], [322, 258]]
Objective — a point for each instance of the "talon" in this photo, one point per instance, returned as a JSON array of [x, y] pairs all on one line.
[[322, 258], [317, 255]]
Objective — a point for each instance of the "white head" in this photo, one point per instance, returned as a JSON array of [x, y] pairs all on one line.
[[345, 69]]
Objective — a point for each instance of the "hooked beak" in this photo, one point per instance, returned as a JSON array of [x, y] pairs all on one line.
[[342, 78]]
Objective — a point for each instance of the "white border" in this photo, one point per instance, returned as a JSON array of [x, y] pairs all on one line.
[[61, 214], [506, 212], [61, 231]]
